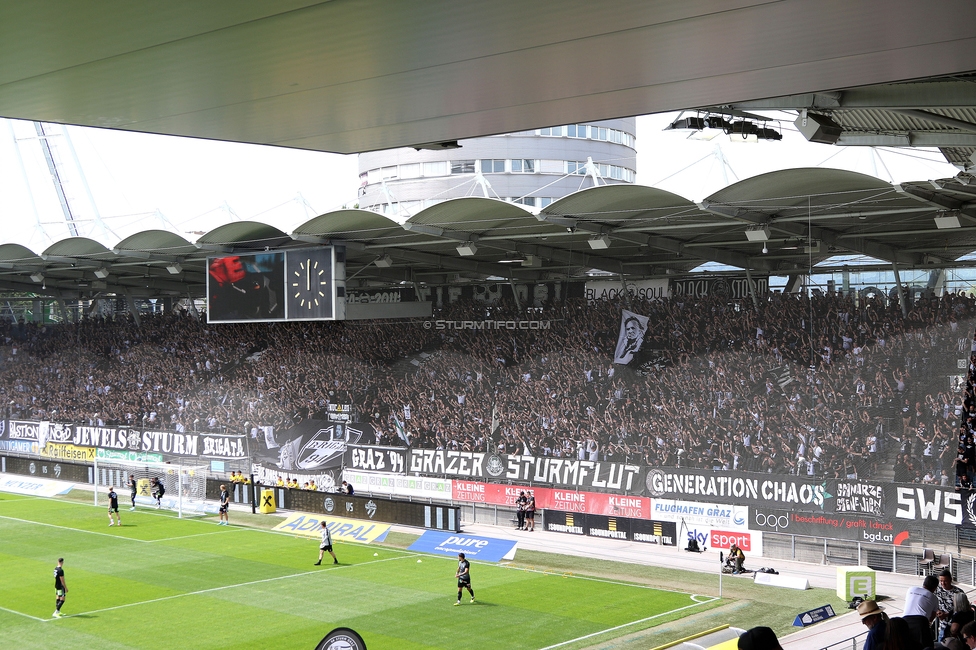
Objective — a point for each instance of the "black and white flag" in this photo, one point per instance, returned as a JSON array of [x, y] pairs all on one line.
[[633, 327]]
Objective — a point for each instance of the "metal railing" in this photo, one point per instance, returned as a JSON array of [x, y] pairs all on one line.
[[853, 643], [880, 557]]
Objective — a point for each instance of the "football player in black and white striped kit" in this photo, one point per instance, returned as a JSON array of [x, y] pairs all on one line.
[[326, 544]]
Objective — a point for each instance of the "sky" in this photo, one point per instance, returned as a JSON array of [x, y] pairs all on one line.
[[118, 183]]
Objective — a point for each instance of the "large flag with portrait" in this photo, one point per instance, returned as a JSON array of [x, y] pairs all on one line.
[[633, 327]]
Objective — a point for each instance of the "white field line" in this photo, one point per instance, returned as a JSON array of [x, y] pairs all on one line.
[[620, 627], [120, 537], [213, 589], [23, 614], [77, 530], [592, 579], [216, 532]]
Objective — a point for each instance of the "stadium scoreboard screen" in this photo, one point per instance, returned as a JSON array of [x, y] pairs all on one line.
[[303, 284]]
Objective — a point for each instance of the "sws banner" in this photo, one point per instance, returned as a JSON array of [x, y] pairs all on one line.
[[556, 472]]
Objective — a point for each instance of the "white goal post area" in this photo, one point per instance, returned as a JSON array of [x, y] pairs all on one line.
[[185, 485]]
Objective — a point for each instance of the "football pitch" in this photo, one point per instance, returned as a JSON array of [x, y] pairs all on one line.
[[164, 582]]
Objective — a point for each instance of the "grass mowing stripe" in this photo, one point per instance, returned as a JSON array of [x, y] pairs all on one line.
[[213, 589], [42, 620], [620, 627], [77, 530]]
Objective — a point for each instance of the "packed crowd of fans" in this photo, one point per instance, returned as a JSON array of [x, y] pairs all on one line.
[[818, 387]]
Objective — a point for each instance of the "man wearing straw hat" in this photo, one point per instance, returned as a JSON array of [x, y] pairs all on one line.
[[876, 621]]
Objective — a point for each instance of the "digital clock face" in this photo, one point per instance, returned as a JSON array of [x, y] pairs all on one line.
[[309, 285]]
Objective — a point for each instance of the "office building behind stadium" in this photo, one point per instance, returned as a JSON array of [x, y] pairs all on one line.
[[531, 168]]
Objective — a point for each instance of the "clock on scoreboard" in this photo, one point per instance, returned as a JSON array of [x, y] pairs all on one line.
[[309, 286]]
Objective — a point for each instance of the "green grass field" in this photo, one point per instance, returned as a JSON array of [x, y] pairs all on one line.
[[163, 582]]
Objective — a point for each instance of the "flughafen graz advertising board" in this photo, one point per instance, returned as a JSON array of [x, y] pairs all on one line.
[[828, 507]]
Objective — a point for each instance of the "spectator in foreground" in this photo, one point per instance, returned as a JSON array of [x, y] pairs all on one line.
[[876, 621], [760, 638]]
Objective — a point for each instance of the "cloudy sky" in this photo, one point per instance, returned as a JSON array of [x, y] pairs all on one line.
[[118, 183]]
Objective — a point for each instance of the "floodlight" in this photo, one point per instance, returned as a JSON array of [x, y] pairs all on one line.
[[37, 277], [950, 221], [101, 273], [758, 233], [174, 268], [384, 262], [600, 242], [467, 249]]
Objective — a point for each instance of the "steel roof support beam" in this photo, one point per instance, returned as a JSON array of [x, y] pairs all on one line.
[[937, 201], [829, 237]]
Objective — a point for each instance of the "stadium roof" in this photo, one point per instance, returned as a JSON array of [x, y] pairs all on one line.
[[801, 216], [372, 74]]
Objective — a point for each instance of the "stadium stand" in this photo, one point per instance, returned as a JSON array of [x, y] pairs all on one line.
[[815, 387]]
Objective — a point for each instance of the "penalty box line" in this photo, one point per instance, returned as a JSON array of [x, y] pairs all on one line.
[[212, 590], [619, 583], [637, 622], [13, 611], [119, 537]]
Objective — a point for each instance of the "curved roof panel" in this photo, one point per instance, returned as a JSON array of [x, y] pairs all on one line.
[[17, 254], [632, 230], [794, 187], [157, 241], [77, 247], [243, 233]]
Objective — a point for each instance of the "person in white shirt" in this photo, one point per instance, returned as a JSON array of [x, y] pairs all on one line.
[[921, 605]]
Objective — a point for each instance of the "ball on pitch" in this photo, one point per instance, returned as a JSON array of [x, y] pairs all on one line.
[[419, 561], [376, 554]]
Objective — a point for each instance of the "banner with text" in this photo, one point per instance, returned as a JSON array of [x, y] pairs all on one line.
[[555, 472], [43, 433]]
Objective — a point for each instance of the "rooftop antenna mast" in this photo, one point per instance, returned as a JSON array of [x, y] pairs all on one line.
[[52, 167]]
